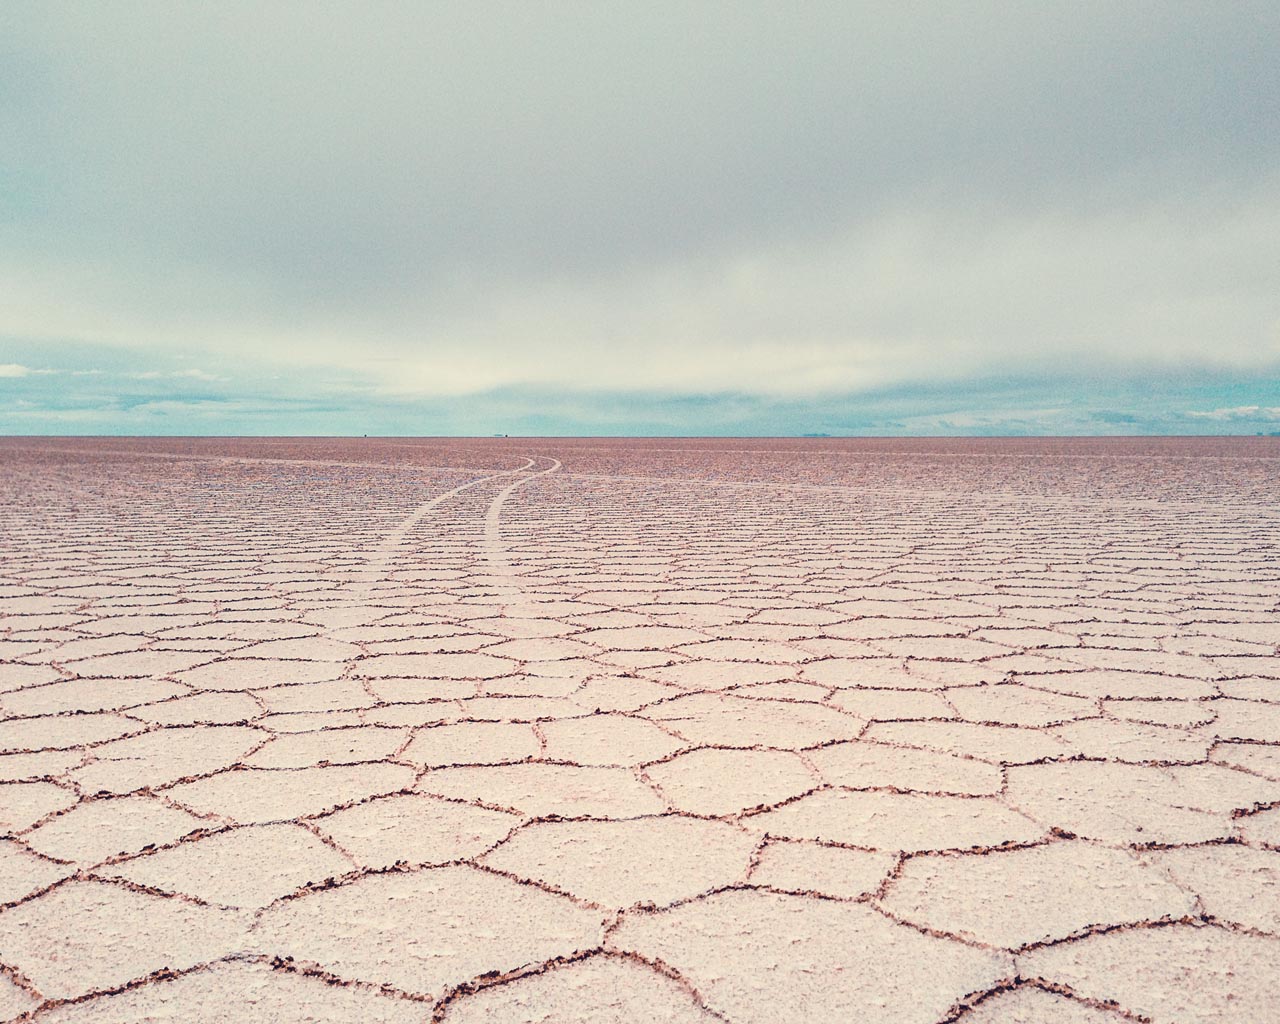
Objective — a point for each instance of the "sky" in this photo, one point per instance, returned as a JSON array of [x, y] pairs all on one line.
[[639, 218]]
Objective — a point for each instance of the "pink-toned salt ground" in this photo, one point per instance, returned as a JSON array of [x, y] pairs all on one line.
[[681, 730]]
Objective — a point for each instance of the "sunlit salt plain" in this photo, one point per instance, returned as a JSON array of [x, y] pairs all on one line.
[[679, 730]]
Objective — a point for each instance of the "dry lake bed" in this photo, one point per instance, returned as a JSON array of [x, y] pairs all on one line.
[[639, 730]]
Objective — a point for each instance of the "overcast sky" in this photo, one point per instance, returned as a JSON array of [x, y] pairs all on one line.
[[643, 217]]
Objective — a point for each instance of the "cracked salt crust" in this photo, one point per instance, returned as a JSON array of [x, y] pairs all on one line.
[[759, 956], [1171, 973], [829, 870], [86, 937], [880, 766], [23, 873], [320, 730], [1235, 884], [1038, 894], [232, 993], [243, 867], [424, 932], [725, 782], [621, 863], [95, 830], [593, 991], [1030, 1005], [910, 822], [415, 830]]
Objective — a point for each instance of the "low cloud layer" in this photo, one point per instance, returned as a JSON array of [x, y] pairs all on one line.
[[656, 218], [1238, 414]]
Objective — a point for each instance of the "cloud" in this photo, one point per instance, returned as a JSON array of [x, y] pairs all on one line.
[[135, 396], [18, 370], [1239, 412], [723, 210], [177, 375]]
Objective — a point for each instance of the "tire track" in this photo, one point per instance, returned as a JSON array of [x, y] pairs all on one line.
[[382, 558], [501, 572]]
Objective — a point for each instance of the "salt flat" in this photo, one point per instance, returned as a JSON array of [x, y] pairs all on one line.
[[648, 730]]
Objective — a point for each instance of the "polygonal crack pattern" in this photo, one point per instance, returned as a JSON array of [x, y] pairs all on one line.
[[410, 730]]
